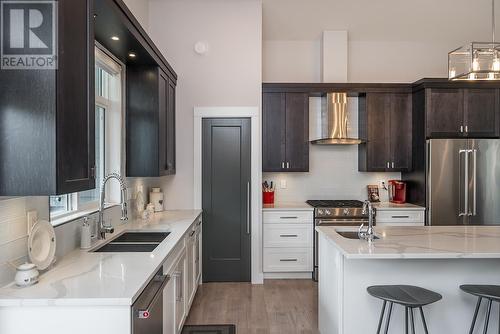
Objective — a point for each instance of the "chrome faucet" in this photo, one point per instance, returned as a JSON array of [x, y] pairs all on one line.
[[369, 233], [103, 228]]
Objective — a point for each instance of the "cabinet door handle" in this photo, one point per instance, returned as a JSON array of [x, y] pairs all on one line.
[[282, 165], [393, 164], [466, 129], [388, 165], [288, 235], [178, 285], [248, 207], [288, 260], [461, 128], [287, 165]]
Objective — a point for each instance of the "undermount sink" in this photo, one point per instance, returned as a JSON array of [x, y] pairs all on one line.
[[352, 235], [155, 237], [133, 242]]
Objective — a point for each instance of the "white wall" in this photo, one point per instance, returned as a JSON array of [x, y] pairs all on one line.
[[140, 9], [229, 74]]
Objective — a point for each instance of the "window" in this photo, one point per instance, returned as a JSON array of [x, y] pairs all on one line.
[[108, 143]]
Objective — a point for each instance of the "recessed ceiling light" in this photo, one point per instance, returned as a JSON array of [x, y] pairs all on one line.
[[132, 55], [115, 38]]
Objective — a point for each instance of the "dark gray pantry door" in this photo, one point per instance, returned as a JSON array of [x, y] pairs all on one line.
[[225, 199]]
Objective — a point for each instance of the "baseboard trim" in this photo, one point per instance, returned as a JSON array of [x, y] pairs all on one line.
[[306, 275]]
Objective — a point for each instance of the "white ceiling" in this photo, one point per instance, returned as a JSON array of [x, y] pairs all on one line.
[[387, 20]]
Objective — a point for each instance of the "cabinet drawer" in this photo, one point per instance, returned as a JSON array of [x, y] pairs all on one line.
[[400, 216], [287, 259], [288, 235], [290, 217]]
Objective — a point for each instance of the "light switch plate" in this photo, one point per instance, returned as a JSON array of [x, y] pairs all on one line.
[[32, 218]]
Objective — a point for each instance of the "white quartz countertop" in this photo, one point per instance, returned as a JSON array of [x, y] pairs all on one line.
[[393, 206], [420, 242], [89, 279], [288, 206]]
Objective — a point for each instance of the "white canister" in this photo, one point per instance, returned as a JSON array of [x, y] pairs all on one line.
[[26, 274], [156, 198]]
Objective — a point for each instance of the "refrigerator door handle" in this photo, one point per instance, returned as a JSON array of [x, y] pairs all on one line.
[[465, 208], [474, 181]]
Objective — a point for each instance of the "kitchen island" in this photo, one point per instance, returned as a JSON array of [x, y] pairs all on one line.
[[437, 258]]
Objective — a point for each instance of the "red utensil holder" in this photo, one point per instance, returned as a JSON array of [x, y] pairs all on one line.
[[268, 197]]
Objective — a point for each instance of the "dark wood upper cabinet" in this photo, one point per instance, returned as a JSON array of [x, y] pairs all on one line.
[[285, 134], [458, 113], [150, 122], [47, 142], [481, 113], [385, 126]]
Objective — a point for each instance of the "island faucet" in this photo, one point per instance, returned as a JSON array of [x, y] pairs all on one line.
[[103, 228], [369, 234]]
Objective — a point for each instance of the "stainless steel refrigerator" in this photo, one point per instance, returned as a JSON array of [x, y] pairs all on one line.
[[463, 181]]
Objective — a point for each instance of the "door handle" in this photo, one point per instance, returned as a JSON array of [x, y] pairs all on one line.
[[474, 180], [393, 164], [461, 128], [463, 209], [178, 285], [287, 165], [248, 207], [282, 165], [388, 165]]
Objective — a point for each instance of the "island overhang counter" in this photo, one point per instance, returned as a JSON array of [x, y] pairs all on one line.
[[439, 258]]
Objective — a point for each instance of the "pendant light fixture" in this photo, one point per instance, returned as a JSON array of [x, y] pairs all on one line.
[[477, 60]]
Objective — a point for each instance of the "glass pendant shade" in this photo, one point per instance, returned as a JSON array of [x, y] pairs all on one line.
[[475, 61]]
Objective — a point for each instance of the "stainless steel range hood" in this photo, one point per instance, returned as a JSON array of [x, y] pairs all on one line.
[[334, 121]]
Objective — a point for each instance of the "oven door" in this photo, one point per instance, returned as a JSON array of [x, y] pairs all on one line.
[[331, 222]]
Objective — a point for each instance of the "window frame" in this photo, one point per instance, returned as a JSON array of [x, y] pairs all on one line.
[[114, 101]]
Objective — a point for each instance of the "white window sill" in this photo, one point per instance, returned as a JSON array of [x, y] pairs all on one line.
[[78, 214]]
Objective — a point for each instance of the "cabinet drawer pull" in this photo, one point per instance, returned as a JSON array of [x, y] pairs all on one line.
[[289, 217], [192, 233], [288, 235], [400, 216], [288, 260]]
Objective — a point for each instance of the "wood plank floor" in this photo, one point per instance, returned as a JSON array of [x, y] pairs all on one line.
[[277, 306]]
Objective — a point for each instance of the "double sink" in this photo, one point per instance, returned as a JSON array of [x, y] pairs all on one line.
[[133, 242]]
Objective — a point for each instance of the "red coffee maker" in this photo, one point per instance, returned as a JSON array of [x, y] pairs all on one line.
[[397, 191]]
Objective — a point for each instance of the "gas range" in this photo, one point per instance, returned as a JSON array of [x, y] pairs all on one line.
[[343, 210], [341, 213]]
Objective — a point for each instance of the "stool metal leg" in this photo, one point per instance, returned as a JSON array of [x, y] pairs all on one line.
[[406, 320], [412, 321], [487, 320], [388, 320], [381, 317], [423, 320], [474, 318]]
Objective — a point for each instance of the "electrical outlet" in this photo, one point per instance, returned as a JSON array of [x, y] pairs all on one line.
[[32, 218], [283, 184]]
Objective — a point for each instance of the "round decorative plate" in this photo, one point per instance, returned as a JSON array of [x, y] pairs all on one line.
[[42, 244]]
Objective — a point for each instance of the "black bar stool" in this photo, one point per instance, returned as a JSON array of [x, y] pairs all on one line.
[[488, 292], [406, 295]]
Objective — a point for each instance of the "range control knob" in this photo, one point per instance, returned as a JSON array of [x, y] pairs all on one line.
[[321, 212], [328, 212], [345, 212]]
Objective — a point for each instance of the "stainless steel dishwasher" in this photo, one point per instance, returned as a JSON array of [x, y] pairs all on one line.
[[147, 311]]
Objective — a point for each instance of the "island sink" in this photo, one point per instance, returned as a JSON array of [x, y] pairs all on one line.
[[352, 235]]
